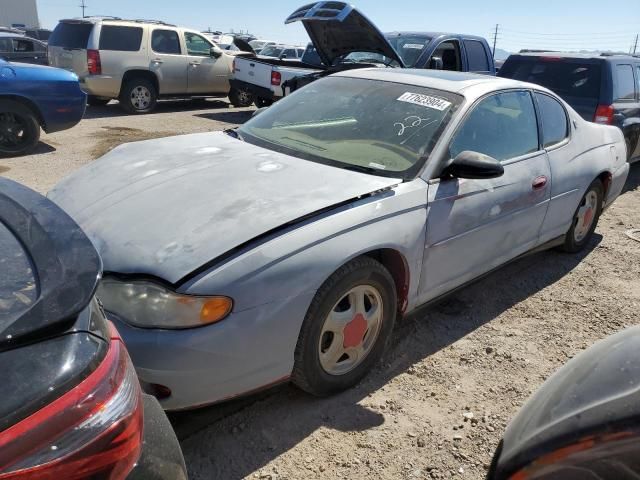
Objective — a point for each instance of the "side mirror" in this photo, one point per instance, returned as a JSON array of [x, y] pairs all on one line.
[[215, 52], [436, 63], [474, 165], [258, 111]]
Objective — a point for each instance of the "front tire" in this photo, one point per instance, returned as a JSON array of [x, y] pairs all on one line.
[[346, 329], [585, 220], [139, 96], [19, 129], [240, 98]]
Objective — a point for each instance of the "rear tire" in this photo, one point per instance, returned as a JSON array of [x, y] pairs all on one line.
[[94, 101], [19, 129], [346, 329], [240, 98], [585, 220], [138, 96]]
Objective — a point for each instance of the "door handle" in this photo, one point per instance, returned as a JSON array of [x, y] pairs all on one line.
[[194, 64], [539, 182], [157, 60]]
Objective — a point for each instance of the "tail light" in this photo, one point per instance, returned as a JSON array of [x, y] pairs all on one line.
[[233, 69], [604, 115], [93, 431], [94, 65], [276, 78]]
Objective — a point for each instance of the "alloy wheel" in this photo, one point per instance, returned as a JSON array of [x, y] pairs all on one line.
[[585, 216], [350, 330]]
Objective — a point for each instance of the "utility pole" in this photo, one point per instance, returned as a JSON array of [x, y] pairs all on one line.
[[495, 40], [83, 6]]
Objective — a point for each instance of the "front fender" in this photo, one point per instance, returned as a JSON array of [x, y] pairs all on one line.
[[297, 262]]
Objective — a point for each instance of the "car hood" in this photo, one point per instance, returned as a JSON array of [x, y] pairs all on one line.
[[167, 207], [337, 29]]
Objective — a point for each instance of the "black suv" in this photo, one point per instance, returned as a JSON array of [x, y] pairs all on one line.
[[601, 88]]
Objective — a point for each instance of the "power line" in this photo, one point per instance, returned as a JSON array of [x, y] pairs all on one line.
[[561, 34]]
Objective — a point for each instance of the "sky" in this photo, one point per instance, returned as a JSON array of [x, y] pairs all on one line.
[[539, 24]]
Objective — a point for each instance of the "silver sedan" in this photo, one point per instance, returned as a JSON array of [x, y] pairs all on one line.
[[286, 249]]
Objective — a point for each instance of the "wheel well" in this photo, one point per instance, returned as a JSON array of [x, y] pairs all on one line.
[[146, 74], [605, 178], [27, 103], [397, 265]]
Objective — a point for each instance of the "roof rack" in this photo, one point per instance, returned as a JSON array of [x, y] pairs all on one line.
[[155, 22], [102, 17]]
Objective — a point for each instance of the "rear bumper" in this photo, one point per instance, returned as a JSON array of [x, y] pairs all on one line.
[[107, 86], [62, 113], [618, 180], [260, 92], [161, 457]]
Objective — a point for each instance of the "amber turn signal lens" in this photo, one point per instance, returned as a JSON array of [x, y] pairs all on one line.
[[215, 310]]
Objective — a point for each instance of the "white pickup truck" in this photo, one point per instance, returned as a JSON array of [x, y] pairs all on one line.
[[264, 78], [343, 38]]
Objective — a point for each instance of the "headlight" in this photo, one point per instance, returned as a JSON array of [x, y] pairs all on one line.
[[150, 305]]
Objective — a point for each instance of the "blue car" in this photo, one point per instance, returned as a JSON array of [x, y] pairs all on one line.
[[35, 96]]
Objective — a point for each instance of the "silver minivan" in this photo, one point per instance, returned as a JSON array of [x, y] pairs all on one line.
[[140, 61]]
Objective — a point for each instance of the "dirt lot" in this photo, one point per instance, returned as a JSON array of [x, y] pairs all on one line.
[[483, 351]]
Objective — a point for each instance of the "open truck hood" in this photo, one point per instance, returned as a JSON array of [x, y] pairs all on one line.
[[337, 29], [49, 268], [167, 207]]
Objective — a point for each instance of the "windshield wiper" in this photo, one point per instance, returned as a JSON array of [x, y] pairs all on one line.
[[361, 169], [233, 132]]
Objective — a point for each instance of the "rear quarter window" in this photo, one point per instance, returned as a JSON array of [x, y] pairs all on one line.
[[555, 125], [625, 83], [71, 35], [477, 56], [121, 39]]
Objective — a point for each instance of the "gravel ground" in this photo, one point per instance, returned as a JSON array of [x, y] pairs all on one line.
[[454, 375]]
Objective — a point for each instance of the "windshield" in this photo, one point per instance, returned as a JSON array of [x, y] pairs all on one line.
[[271, 51], [384, 128], [409, 47]]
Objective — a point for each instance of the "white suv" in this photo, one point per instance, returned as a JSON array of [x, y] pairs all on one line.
[[139, 61]]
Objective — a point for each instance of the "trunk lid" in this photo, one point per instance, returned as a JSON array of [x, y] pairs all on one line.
[[49, 267], [166, 207], [337, 29]]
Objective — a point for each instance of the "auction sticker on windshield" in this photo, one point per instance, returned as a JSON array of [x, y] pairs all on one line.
[[425, 101]]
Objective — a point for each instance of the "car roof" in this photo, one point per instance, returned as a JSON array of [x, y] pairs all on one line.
[[11, 35], [435, 34], [455, 82]]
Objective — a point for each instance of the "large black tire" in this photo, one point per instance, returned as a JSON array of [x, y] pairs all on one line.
[[94, 101], [138, 95], [263, 102], [240, 98], [308, 372], [19, 129], [574, 242]]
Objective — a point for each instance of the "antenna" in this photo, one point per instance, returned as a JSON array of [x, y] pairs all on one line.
[[495, 39]]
